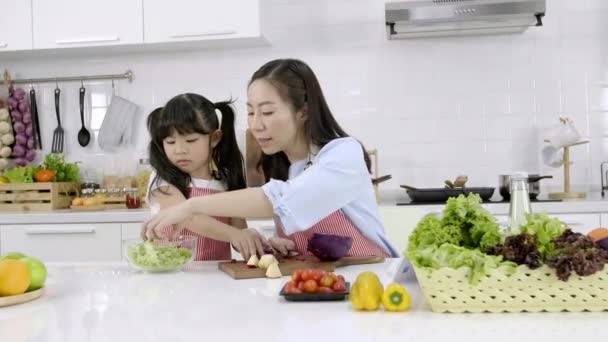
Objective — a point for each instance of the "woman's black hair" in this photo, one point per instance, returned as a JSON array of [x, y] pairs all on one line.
[[298, 85], [193, 113]]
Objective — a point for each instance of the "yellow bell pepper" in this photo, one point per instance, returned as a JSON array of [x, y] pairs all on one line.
[[396, 298], [366, 292]]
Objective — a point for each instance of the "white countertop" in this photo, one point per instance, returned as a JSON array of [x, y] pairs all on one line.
[[594, 203], [108, 302], [74, 216]]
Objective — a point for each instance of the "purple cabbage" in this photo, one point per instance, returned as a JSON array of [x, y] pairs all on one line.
[[329, 247]]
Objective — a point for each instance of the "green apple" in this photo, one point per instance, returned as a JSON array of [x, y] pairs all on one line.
[[37, 272], [13, 255]]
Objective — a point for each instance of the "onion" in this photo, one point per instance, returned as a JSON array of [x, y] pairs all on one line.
[[21, 139], [27, 118], [19, 150], [12, 103], [16, 115], [23, 106], [20, 162], [19, 93], [29, 130], [30, 155], [19, 127], [30, 143]]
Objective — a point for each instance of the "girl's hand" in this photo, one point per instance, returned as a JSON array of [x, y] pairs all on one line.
[[248, 242], [167, 217], [283, 246], [152, 235]]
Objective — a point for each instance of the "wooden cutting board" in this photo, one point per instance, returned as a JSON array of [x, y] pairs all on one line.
[[239, 269]]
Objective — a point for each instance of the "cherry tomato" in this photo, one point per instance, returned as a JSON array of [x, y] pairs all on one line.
[[296, 276], [318, 274], [291, 289], [324, 289], [307, 275], [326, 281], [310, 286], [339, 286]]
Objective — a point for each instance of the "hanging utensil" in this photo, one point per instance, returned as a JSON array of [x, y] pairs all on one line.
[[83, 135], [57, 145], [35, 121], [379, 180]]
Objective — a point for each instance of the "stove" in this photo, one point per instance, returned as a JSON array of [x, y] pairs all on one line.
[[484, 202]]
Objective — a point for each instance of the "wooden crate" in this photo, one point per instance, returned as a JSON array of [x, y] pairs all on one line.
[[37, 196]]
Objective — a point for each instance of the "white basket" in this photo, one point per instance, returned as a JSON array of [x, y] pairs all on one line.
[[448, 290]]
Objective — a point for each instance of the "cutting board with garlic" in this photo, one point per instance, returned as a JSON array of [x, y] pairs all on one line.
[[269, 267]]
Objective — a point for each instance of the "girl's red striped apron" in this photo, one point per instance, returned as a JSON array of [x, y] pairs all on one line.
[[207, 248], [338, 224]]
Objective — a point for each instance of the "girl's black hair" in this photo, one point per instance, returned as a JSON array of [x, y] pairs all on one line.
[[193, 113], [298, 85]]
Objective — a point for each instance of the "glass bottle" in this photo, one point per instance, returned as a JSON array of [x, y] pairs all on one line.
[[520, 201], [144, 170]]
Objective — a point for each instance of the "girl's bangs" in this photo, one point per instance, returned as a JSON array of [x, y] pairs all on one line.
[[178, 116]]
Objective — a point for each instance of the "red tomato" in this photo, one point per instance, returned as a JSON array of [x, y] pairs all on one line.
[[339, 286], [317, 275], [296, 276], [291, 283], [310, 286], [292, 289], [301, 285], [333, 276], [326, 281], [324, 289], [307, 275], [43, 176]]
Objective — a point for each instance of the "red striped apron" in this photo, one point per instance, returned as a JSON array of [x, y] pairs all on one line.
[[338, 224], [207, 248]]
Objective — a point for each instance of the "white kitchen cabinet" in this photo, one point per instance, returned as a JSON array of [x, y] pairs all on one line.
[[76, 242], [75, 23], [399, 222], [16, 25], [582, 223], [128, 232], [604, 220], [189, 20]]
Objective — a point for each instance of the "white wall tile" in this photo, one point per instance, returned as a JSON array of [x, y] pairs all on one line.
[[434, 108]]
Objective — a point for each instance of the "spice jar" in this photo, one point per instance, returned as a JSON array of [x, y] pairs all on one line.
[[133, 200], [87, 193]]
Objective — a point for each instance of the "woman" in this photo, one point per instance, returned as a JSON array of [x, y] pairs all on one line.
[[318, 178]]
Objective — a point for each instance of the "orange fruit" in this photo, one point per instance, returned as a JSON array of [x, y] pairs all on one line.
[[14, 277]]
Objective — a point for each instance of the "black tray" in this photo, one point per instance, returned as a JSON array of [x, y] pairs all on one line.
[[440, 195], [315, 297]]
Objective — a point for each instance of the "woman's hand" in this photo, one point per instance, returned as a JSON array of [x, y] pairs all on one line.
[[248, 242], [283, 246], [165, 218]]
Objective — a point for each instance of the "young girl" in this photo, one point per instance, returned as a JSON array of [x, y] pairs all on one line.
[[194, 153], [317, 177]]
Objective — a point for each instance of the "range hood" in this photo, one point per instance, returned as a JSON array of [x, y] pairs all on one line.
[[429, 18]]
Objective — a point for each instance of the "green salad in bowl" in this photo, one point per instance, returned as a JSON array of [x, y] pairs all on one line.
[[161, 256]]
